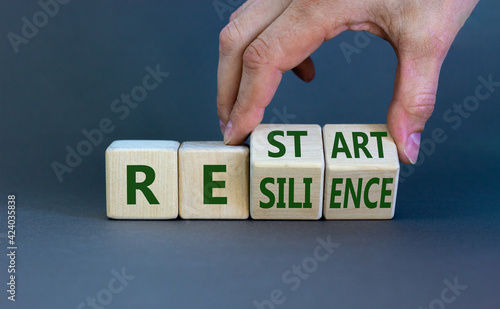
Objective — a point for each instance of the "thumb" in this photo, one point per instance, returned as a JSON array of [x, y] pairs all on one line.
[[413, 102]]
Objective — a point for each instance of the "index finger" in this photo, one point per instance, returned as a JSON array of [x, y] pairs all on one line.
[[287, 42]]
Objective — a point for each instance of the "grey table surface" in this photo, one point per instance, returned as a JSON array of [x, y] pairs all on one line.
[[64, 79]]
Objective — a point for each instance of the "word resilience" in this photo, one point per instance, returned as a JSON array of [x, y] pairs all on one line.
[[289, 172]]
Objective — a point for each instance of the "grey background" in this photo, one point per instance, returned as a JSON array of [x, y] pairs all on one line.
[[64, 80]]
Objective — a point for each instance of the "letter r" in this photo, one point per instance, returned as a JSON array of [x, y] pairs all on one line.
[[133, 185]]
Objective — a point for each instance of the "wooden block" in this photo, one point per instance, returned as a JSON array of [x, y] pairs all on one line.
[[362, 172], [213, 181], [286, 172], [141, 180]]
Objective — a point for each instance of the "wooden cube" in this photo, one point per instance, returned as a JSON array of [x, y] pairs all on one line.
[[141, 179], [213, 181], [286, 172], [362, 172]]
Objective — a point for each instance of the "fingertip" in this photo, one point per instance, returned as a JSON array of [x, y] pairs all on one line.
[[305, 76], [412, 147], [242, 123], [222, 126], [396, 122], [228, 133], [234, 136], [305, 70], [235, 141], [309, 78], [405, 135]]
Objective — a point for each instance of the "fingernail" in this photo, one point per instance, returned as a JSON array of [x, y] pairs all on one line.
[[412, 146], [228, 132], [222, 126]]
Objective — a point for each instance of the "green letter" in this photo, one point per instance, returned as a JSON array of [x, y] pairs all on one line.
[[133, 185], [335, 192], [307, 200], [349, 187], [267, 192], [275, 143], [384, 192], [339, 138], [209, 184], [291, 193], [369, 203], [296, 140], [357, 145], [281, 193], [379, 136]]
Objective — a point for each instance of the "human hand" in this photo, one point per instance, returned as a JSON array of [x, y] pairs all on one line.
[[265, 38]]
